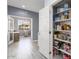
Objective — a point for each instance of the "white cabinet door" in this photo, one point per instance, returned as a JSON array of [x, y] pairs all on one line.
[[43, 36]]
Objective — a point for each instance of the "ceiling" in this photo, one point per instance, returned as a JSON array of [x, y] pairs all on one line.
[[32, 5]]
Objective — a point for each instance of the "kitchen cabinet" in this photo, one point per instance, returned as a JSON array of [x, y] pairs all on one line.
[[16, 36]]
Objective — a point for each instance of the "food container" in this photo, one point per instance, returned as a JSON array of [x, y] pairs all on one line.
[[66, 57], [66, 6], [61, 15], [60, 36], [58, 27], [57, 18], [64, 37], [60, 10], [55, 36], [66, 27]]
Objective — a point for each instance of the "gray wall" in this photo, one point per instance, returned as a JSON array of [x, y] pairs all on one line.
[[25, 13]]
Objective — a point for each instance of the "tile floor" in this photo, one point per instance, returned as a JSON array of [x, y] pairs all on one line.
[[24, 49]]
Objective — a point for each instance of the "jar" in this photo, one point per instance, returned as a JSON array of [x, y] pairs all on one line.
[[66, 27], [58, 27], [62, 16]]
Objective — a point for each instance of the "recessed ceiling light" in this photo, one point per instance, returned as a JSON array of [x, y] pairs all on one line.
[[23, 6]]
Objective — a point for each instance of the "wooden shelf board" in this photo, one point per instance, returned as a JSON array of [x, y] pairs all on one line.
[[63, 20], [62, 40], [63, 51], [64, 30], [63, 11]]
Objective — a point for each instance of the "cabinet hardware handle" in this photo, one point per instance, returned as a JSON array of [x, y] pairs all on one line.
[[49, 52]]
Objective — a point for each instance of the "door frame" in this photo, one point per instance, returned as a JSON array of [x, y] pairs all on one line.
[[51, 24], [8, 33], [23, 17]]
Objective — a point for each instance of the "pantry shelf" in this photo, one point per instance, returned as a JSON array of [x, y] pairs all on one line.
[[62, 40], [62, 29], [65, 20], [63, 11], [62, 51], [69, 31]]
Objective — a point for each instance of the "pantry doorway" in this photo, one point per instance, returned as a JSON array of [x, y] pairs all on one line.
[[22, 27]]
